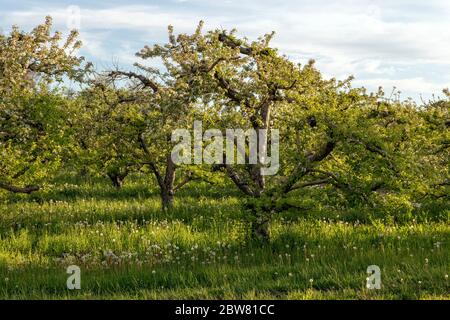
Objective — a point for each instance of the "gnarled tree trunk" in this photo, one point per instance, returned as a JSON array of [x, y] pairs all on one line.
[[167, 184], [167, 199]]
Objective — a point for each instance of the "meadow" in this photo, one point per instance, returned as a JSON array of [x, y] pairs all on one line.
[[128, 248]]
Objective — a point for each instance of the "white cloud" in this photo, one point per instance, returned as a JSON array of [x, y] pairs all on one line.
[[382, 42], [419, 86]]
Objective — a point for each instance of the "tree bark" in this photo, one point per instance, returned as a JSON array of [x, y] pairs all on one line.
[[168, 191], [117, 179], [167, 199], [15, 189], [261, 231]]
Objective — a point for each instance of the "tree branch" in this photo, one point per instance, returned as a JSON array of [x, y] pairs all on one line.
[[15, 189], [238, 181], [311, 183], [230, 42], [188, 178], [144, 80], [377, 150], [151, 164]]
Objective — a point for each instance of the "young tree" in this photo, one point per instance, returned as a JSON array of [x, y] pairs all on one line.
[[32, 132]]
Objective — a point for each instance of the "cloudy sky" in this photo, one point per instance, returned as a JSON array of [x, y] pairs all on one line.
[[401, 43]]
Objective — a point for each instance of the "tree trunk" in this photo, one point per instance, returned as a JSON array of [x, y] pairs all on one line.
[[260, 230], [116, 182], [167, 190], [166, 182], [260, 224], [117, 179], [167, 199]]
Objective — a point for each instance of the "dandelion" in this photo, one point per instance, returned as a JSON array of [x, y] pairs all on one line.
[[290, 274], [311, 280], [153, 271], [426, 260], [446, 276]]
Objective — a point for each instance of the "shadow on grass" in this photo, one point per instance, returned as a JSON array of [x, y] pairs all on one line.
[[70, 188]]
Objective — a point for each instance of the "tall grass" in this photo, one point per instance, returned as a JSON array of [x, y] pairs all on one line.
[[127, 247]]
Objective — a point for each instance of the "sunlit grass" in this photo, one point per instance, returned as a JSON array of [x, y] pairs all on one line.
[[128, 248]]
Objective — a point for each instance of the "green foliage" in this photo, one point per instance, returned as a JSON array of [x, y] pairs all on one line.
[[363, 179]]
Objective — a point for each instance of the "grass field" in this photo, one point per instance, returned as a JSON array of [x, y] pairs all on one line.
[[127, 248]]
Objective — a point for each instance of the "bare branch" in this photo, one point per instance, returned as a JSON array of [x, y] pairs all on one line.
[[151, 164], [15, 189]]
